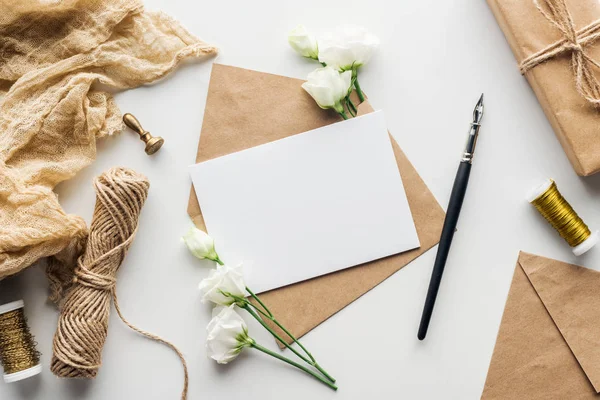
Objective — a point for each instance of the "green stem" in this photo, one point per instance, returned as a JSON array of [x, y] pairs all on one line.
[[293, 363], [359, 91], [343, 114], [351, 106], [268, 328], [269, 315], [272, 319], [255, 297], [218, 260], [246, 305]]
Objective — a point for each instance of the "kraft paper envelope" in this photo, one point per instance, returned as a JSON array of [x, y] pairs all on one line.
[[247, 108], [548, 346]]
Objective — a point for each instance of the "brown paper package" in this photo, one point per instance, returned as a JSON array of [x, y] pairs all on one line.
[[247, 108], [575, 121], [548, 346]]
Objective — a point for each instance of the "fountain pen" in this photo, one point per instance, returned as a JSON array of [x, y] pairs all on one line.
[[454, 206]]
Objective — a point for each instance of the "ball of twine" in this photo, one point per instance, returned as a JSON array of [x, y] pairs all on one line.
[[83, 322]]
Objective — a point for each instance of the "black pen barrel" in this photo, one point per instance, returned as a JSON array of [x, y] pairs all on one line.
[[454, 206]]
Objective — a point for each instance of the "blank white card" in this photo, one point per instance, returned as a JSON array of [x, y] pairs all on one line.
[[307, 205]]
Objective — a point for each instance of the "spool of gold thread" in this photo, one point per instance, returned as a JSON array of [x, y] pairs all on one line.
[[18, 354], [559, 213]]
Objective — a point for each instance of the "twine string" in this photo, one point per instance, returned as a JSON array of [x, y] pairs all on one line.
[[83, 322], [573, 41]]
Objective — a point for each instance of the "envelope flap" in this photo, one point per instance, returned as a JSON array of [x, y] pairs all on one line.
[[571, 295], [531, 359]]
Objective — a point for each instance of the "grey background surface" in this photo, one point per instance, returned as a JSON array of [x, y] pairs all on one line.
[[436, 57]]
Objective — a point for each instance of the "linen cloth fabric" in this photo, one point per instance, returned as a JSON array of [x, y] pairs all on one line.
[[53, 55]]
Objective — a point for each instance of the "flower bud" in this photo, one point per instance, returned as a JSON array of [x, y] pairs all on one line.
[[221, 284], [328, 87], [227, 335], [200, 244], [303, 42], [348, 47]]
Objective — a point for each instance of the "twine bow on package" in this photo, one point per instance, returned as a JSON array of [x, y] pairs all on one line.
[[51, 112], [557, 46]]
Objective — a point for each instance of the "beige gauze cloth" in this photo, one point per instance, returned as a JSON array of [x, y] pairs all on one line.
[[53, 54]]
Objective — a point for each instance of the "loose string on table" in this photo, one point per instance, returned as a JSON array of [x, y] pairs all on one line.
[[574, 41], [83, 322]]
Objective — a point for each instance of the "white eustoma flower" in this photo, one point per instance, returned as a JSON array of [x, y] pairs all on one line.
[[221, 283], [227, 335], [200, 244], [303, 42], [348, 47], [328, 87]]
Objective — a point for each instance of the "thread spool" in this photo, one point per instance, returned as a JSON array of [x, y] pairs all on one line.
[[18, 354], [547, 199]]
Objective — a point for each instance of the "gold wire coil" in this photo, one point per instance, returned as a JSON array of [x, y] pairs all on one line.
[[17, 345], [559, 213]]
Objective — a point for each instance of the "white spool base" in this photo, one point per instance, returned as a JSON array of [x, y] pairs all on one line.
[[538, 190], [19, 376], [587, 244], [8, 307]]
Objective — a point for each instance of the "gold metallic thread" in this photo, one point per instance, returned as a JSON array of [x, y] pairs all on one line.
[[17, 345], [559, 213]]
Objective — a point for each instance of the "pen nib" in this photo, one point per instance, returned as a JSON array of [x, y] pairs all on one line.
[[478, 111]]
